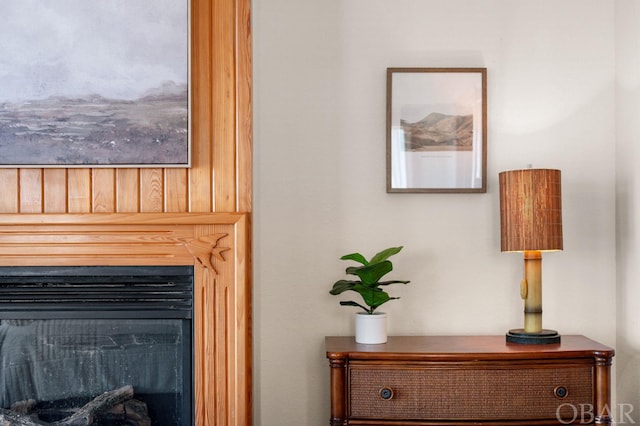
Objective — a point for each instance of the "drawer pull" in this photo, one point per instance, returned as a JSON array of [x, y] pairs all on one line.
[[386, 393], [560, 392]]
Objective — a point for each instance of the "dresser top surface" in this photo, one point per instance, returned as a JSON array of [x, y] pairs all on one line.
[[338, 347]]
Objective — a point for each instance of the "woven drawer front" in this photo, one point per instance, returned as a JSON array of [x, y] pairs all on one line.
[[468, 393]]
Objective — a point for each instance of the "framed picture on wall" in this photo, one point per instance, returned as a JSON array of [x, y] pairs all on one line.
[[436, 130], [97, 83]]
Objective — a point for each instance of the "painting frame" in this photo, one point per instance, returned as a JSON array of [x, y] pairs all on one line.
[[153, 128], [436, 132]]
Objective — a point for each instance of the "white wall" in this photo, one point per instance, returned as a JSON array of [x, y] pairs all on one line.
[[320, 175], [628, 205]]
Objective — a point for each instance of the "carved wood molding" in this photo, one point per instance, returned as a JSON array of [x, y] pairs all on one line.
[[117, 239], [205, 248]]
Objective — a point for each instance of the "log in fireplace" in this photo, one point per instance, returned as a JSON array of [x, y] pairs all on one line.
[[112, 343]]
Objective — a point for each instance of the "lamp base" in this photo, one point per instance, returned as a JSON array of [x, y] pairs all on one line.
[[543, 337]]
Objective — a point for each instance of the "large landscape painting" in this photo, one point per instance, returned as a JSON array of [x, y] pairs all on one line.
[[94, 83]]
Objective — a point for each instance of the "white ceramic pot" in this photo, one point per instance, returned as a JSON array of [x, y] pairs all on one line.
[[371, 328]]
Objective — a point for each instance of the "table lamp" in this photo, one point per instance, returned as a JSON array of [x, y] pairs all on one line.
[[531, 222]]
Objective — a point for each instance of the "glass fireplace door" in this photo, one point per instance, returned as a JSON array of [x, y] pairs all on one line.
[[68, 337]]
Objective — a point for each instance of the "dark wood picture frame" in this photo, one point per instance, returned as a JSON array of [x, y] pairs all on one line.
[[437, 130]]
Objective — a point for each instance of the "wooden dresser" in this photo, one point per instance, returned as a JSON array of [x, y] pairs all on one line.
[[479, 380]]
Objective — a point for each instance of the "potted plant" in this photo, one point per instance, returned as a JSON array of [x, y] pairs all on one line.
[[371, 325]]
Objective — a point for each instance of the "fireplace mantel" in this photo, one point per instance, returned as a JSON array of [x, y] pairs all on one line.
[[215, 243]]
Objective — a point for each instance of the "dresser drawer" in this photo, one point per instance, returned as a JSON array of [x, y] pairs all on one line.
[[466, 392]]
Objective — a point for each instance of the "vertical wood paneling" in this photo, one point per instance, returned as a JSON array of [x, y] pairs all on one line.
[[244, 105], [104, 190], [30, 190], [55, 190], [151, 190], [9, 194], [79, 190], [176, 197], [200, 174], [127, 190], [224, 106]]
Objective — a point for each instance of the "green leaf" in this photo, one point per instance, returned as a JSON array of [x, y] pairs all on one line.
[[342, 286], [385, 254], [393, 282], [371, 274], [356, 257], [352, 303], [373, 297]]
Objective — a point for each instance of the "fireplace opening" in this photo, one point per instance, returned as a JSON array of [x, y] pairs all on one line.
[[118, 338]]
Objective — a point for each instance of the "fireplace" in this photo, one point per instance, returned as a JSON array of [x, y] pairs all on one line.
[[216, 245], [69, 334]]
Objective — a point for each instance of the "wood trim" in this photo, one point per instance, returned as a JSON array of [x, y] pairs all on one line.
[[202, 74], [222, 286], [244, 106], [81, 219]]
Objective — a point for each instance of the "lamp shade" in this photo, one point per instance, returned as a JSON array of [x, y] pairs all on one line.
[[530, 210]]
